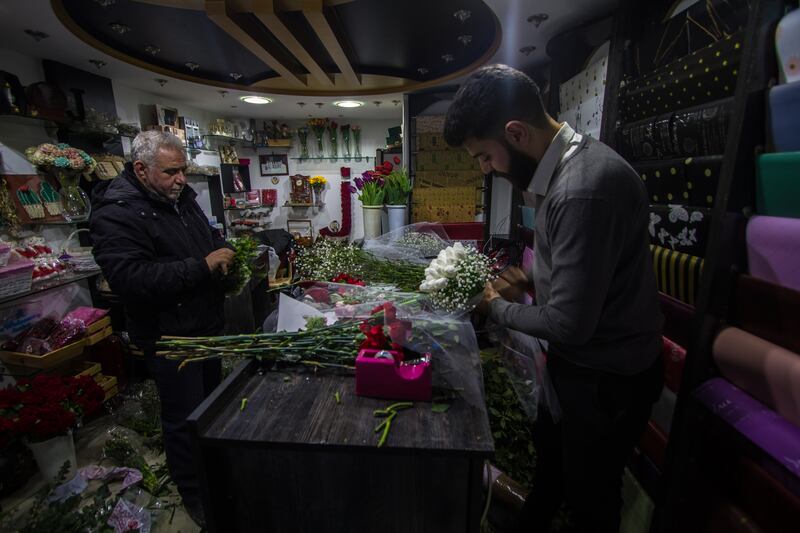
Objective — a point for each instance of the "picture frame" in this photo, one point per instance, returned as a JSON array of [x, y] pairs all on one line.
[[166, 116], [235, 178], [274, 164]]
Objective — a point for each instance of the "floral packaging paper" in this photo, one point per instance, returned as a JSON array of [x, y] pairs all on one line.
[[680, 228]]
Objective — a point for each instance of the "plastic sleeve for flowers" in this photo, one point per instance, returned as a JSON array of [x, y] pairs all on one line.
[[416, 243]]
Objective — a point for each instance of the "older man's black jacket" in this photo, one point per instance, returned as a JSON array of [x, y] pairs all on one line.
[[152, 252]]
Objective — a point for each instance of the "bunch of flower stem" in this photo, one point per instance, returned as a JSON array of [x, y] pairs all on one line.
[[335, 345], [397, 187], [244, 253], [405, 276]]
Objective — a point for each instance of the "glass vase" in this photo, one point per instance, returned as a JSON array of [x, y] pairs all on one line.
[[357, 143], [303, 136], [320, 145], [75, 204], [346, 143], [334, 146]]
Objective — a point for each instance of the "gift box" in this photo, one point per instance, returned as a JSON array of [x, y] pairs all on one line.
[[390, 378]]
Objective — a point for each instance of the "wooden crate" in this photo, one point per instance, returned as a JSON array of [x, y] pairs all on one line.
[[87, 368], [295, 459], [100, 325], [48, 360], [100, 335], [108, 384]]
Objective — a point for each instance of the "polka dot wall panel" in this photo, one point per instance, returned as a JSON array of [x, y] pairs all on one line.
[[703, 76], [691, 181]]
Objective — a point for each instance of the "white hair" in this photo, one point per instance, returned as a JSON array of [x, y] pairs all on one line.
[[146, 145]]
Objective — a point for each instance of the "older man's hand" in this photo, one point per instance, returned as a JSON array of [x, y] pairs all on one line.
[[219, 260]]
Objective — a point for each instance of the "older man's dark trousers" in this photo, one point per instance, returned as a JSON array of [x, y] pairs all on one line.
[[580, 459], [181, 392]]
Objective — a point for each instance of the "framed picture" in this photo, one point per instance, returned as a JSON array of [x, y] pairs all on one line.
[[235, 178], [166, 116], [274, 165]]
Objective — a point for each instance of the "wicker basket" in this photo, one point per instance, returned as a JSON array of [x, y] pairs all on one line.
[[16, 277]]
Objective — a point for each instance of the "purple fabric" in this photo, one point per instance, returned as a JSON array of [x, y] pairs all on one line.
[[764, 427], [773, 250]]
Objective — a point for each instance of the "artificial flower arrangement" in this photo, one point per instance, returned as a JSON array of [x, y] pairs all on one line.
[[456, 278], [47, 406], [369, 188], [51, 157]]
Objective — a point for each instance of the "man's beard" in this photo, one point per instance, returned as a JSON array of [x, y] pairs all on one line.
[[520, 167]]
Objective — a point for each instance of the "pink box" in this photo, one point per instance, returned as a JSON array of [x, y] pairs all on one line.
[[388, 379]]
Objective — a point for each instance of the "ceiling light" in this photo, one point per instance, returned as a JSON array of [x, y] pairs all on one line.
[[462, 15], [348, 103], [122, 29], [37, 35], [537, 19], [256, 99]]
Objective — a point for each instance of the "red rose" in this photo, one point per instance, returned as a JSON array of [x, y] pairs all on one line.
[[388, 165], [397, 160]]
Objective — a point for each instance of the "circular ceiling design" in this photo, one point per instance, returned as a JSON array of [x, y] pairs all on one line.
[[303, 47]]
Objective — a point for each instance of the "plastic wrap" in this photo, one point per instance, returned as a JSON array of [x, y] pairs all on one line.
[[416, 243], [450, 341], [526, 363]]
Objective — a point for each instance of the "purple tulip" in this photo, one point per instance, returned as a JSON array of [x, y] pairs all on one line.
[[353, 189], [359, 183]]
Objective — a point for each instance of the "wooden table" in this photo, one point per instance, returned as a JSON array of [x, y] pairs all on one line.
[[295, 460]]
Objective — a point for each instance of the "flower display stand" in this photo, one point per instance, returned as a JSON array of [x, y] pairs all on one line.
[[301, 455]]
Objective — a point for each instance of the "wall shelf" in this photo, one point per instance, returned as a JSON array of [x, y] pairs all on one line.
[[342, 158], [46, 285]]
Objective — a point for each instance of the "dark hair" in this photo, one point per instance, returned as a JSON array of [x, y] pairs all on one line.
[[490, 98]]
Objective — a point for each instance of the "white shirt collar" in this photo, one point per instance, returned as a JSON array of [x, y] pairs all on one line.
[[562, 145]]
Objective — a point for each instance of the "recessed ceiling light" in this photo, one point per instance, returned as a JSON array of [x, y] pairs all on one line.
[[348, 103], [256, 99]]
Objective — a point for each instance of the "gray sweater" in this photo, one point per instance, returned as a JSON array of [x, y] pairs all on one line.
[[597, 301]]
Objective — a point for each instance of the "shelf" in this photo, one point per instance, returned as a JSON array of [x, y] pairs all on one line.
[[247, 208], [289, 204], [227, 139], [341, 158], [46, 285], [27, 120], [55, 223]]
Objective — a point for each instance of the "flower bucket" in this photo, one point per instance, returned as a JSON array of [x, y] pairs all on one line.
[[51, 455], [397, 216], [372, 221]]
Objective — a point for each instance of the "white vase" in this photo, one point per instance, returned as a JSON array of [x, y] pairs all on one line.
[[397, 216], [51, 455], [372, 221]]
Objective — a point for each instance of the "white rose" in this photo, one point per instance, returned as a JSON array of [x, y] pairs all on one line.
[[449, 271], [439, 283]]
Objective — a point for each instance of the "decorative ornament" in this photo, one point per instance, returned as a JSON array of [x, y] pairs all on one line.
[[462, 15], [160, 81], [222, 92], [396, 102], [152, 50], [99, 63], [191, 65], [465, 39], [334, 226], [275, 180], [301, 104], [538, 18], [377, 103], [527, 50], [235, 76], [105, 3], [447, 58], [422, 71], [122, 29], [319, 105], [37, 35]]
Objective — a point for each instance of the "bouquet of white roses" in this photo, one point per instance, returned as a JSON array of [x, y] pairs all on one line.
[[456, 277]]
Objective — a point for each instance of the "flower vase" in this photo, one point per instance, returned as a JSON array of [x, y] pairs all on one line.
[[346, 143], [303, 146], [357, 143], [372, 221], [51, 455], [75, 204], [397, 216], [318, 196], [320, 145], [334, 147]]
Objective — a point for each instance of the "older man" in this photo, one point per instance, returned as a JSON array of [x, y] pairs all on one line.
[[159, 254]]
